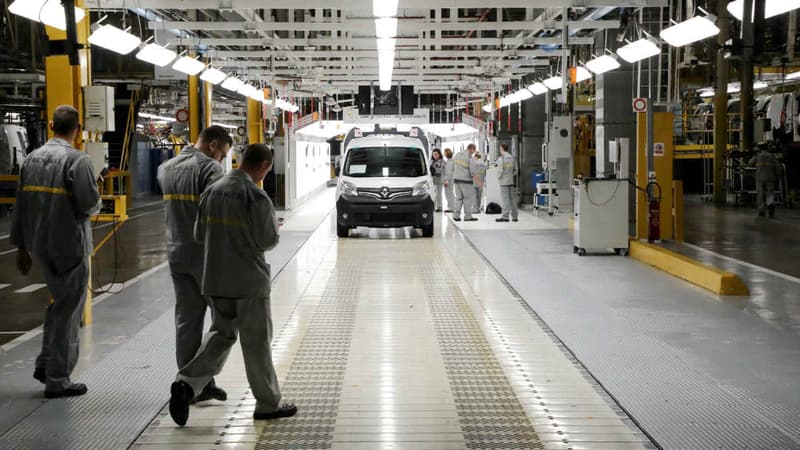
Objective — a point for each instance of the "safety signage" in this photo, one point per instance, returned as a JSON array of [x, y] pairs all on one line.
[[182, 115], [639, 104], [658, 149]]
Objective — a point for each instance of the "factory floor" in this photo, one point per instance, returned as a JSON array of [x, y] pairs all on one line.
[[488, 335]]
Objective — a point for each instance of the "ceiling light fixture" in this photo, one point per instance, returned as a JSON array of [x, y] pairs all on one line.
[[384, 8], [225, 125], [582, 74], [689, 31], [114, 39], [638, 50], [213, 76], [603, 64], [48, 12], [524, 94], [189, 66], [554, 83], [537, 88], [156, 55], [386, 27], [232, 84], [156, 117], [772, 8]]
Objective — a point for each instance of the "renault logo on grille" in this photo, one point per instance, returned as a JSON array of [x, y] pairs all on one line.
[[384, 192]]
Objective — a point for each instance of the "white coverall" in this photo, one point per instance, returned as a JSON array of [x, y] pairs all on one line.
[[237, 223], [56, 196], [506, 163], [183, 179], [464, 170]]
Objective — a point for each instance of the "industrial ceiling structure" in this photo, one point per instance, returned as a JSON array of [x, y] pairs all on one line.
[[317, 47]]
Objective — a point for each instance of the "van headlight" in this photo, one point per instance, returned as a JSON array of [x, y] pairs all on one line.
[[347, 188], [421, 188]]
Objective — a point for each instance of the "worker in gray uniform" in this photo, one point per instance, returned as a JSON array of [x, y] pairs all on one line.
[[56, 197], [183, 179], [237, 224], [767, 176], [465, 176], [447, 180], [508, 169]]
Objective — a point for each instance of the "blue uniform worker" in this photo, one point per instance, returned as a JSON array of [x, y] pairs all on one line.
[[56, 196]]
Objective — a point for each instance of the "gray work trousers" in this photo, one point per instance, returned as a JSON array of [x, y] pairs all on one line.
[[437, 194], [507, 202], [450, 196], [190, 311], [765, 194], [67, 279], [476, 206], [251, 318], [465, 197]]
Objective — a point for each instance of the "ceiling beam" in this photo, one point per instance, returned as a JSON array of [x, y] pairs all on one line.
[[359, 5], [400, 54], [369, 43], [406, 26]]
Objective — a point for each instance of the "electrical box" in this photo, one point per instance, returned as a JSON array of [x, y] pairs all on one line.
[[99, 111], [98, 154]]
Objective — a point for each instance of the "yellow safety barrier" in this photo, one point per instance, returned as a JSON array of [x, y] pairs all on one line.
[[715, 280]]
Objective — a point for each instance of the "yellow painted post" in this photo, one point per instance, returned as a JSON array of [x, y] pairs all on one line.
[[194, 109], [255, 127], [64, 83], [662, 134], [677, 217], [208, 102]]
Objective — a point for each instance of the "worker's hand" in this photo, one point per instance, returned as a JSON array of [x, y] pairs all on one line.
[[24, 261]]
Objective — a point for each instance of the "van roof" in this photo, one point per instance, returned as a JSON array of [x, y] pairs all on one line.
[[389, 139]]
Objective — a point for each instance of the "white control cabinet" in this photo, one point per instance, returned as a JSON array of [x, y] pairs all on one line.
[[601, 216]]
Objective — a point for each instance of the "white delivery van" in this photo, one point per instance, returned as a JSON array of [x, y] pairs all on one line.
[[385, 181], [13, 148]]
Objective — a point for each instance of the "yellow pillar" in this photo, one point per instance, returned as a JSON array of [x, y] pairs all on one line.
[[194, 109], [663, 165], [208, 97], [255, 125], [64, 83]]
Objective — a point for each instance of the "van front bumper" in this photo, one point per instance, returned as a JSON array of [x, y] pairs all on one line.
[[355, 212]]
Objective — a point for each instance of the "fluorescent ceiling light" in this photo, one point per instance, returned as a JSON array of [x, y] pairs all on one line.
[[603, 64], [760, 85], [384, 8], [582, 74], [793, 75], [524, 94], [386, 27], [213, 76], [707, 93], [189, 66], [225, 125], [48, 12], [385, 45], [772, 8], [156, 117], [385, 82], [248, 90], [537, 88], [232, 84], [114, 39], [689, 31], [554, 83], [638, 50], [156, 54], [257, 95]]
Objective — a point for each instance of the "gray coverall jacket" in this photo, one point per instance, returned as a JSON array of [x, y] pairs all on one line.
[[236, 222], [767, 167], [56, 196], [183, 179], [506, 164], [449, 168]]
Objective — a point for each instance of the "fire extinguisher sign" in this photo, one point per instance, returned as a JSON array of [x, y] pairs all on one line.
[[658, 149]]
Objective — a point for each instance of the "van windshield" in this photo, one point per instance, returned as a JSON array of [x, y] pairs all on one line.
[[366, 162]]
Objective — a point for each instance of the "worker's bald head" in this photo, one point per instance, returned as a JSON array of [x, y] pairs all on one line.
[[66, 121]]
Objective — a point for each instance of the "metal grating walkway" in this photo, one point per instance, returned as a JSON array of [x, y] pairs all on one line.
[[390, 342]]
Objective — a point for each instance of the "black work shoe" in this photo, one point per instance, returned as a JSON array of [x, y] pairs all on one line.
[[501, 220], [771, 210], [457, 219], [286, 410], [40, 375], [472, 219], [211, 392], [438, 210], [515, 220], [73, 390], [182, 395]]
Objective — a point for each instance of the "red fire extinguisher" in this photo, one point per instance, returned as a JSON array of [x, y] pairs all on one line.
[[654, 212]]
